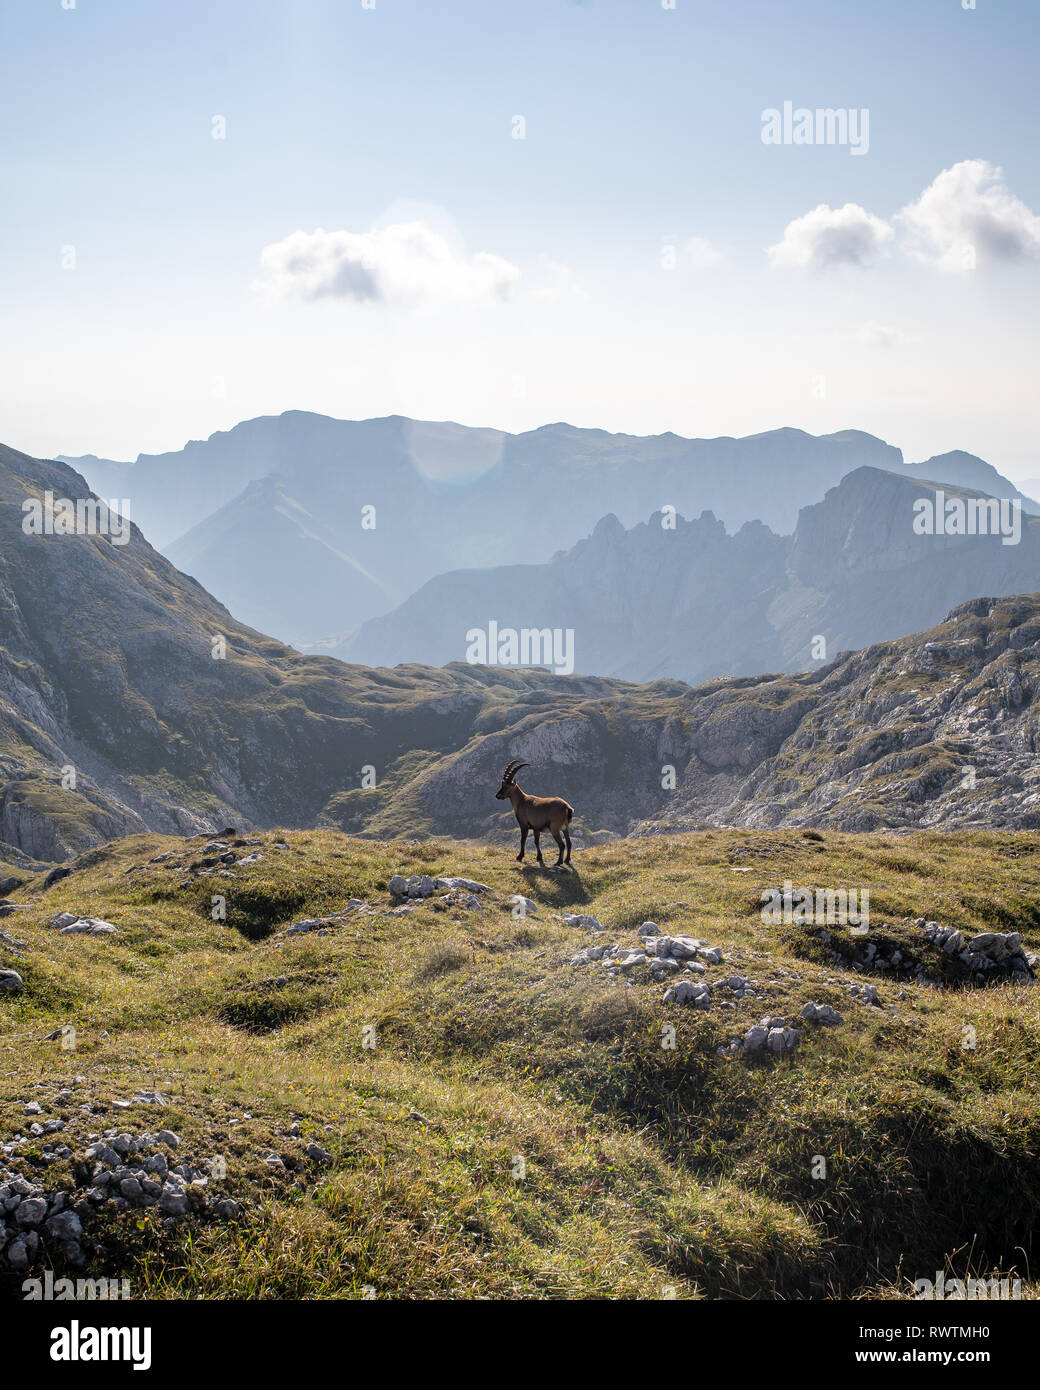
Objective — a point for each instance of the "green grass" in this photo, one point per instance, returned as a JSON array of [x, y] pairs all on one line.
[[518, 1129]]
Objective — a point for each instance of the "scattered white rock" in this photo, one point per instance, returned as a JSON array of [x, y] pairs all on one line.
[[87, 926], [768, 1034], [588, 954], [415, 886], [173, 1201], [577, 919], [64, 1225], [740, 987], [692, 992], [310, 924], [782, 1039], [686, 948], [633, 958], [149, 1098], [30, 1211], [19, 1254], [820, 1013], [469, 884], [990, 953], [867, 994], [680, 947]]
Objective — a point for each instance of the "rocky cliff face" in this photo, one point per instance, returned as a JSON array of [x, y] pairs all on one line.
[[641, 603], [938, 729], [694, 602], [114, 715], [880, 578]]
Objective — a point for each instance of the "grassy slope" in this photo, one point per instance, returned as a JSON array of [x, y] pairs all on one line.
[[646, 1169]]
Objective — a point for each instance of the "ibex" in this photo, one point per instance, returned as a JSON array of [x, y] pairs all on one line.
[[537, 813]]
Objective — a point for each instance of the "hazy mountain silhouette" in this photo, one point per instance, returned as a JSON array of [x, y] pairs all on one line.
[[116, 716], [295, 555], [695, 602]]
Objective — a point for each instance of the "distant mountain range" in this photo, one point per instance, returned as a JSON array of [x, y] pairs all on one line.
[[269, 515], [130, 698], [693, 602]]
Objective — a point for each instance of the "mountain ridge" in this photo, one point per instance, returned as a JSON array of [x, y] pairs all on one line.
[[289, 557], [440, 495], [643, 602], [106, 667]]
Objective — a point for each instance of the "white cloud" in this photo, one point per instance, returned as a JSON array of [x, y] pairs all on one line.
[[701, 252], [404, 263], [968, 216], [551, 280], [829, 236], [881, 335]]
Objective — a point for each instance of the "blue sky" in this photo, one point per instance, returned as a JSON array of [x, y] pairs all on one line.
[[643, 132]]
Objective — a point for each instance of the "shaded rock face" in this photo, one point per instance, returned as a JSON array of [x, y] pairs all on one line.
[[985, 957], [37, 832], [107, 669], [937, 729], [641, 603], [690, 602]]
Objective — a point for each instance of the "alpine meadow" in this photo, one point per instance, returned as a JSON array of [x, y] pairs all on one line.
[[519, 674]]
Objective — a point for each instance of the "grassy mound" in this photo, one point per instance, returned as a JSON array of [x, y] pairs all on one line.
[[504, 1123]]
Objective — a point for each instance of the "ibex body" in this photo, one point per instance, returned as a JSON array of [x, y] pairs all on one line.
[[535, 814]]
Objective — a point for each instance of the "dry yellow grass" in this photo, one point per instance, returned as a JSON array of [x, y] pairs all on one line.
[[518, 1129]]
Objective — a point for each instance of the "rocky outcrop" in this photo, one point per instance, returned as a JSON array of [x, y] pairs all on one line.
[[41, 1226], [985, 956], [645, 603]]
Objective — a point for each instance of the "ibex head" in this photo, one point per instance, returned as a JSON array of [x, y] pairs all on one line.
[[507, 779]]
